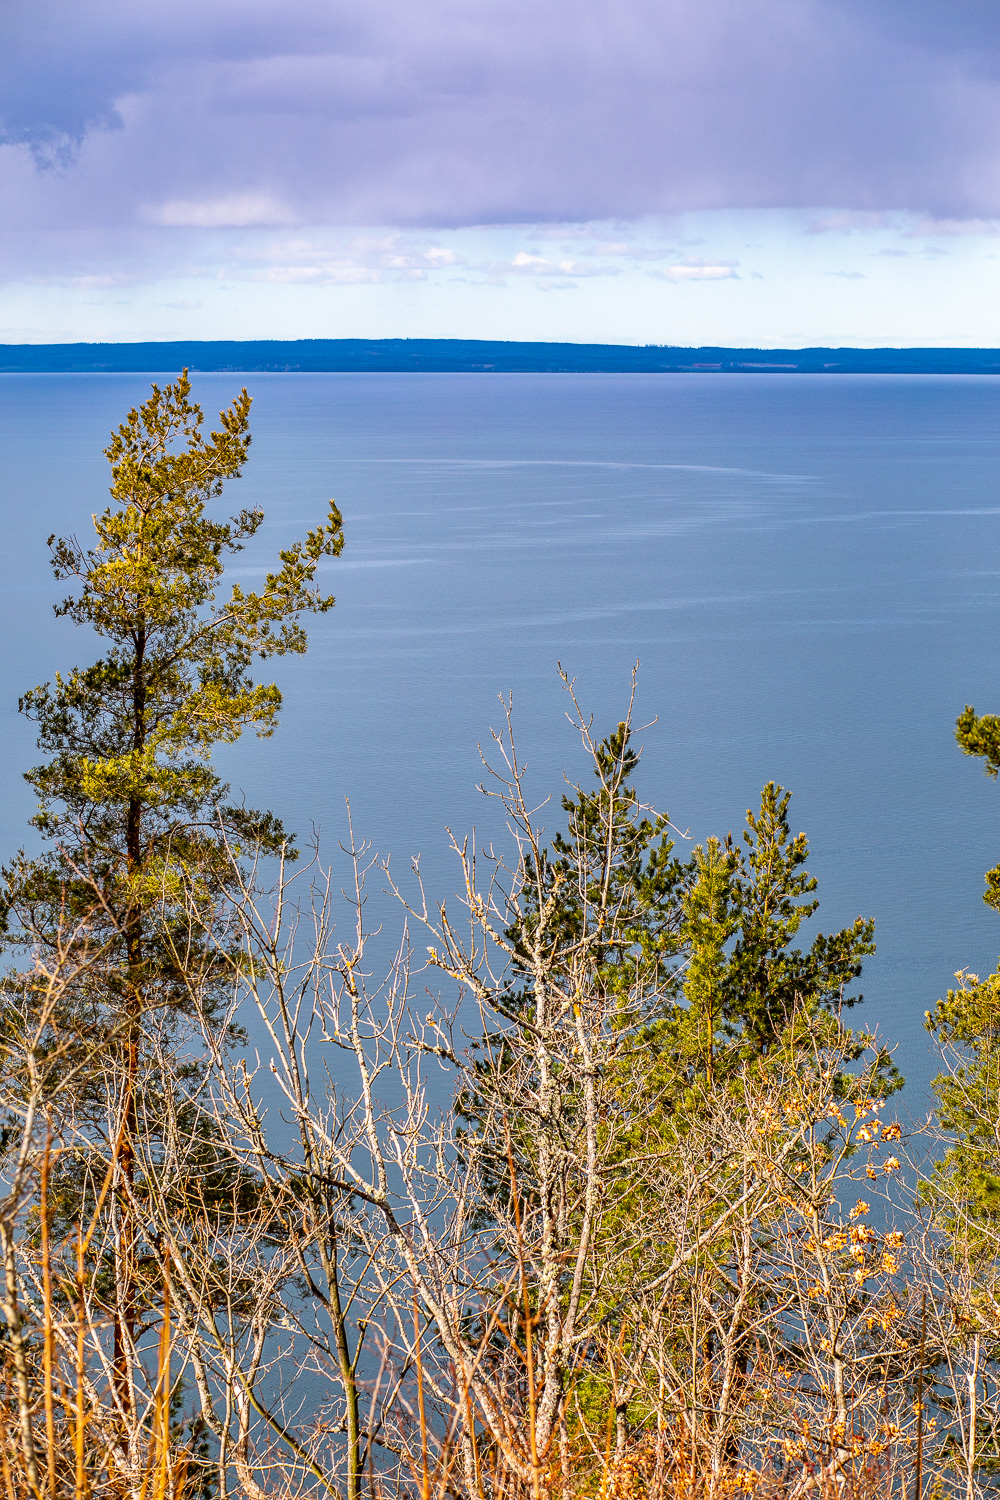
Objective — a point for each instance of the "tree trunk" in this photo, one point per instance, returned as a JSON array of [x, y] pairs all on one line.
[[12, 1313]]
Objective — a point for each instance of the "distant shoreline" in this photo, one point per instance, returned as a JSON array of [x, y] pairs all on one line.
[[479, 356]]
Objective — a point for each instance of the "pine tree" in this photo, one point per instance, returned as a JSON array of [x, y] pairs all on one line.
[[676, 991], [612, 882], [766, 977], [139, 834], [966, 1181]]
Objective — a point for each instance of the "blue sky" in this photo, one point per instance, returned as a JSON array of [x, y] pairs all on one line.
[[774, 172]]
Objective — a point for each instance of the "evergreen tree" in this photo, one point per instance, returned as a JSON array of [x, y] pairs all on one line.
[[703, 945], [746, 904], [697, 954], [137, 826], [128, 797], [965, 1182], [742, 990], [612, 884]]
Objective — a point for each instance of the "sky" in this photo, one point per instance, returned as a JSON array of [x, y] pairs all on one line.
[[744, 172]]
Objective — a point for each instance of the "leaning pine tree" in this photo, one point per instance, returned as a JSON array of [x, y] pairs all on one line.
[[137, 824]]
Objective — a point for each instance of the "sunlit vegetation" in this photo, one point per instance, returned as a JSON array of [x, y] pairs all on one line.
[[581, 1184]]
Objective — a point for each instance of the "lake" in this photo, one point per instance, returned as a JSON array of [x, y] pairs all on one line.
[[806, 567]]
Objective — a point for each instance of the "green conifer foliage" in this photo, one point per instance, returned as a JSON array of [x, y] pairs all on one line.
[[742, 983], [128, 801], [698, 953], [965, 1183], [703, 945], [767, 977], [612, 883], [709, 924], [138, 831]]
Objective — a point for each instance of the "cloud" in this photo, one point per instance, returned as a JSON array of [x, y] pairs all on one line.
[[524, 263], [315, 261], [848, 275], [847, 222], [100, 282], [949, 228], [206, 115], [696, 269], [320, 258], [236, 210]]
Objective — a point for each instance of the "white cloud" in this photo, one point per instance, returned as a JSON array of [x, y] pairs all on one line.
[[529, 265], [696, 269], [386, 282], [438, 256], [526, 264], [316, 261]]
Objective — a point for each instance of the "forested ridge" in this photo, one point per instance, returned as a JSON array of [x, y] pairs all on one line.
[[670, 1233], [524, 356]]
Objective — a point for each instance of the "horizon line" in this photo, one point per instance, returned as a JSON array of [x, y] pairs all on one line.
[[513, 356]]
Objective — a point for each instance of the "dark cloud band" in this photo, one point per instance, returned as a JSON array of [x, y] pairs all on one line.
[[451, 112]]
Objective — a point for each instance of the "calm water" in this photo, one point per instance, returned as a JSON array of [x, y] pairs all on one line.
[[807, 567]]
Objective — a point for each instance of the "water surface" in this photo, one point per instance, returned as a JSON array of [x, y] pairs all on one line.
[[807, 568]]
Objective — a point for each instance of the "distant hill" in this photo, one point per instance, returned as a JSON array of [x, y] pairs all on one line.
[[429, 355]]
